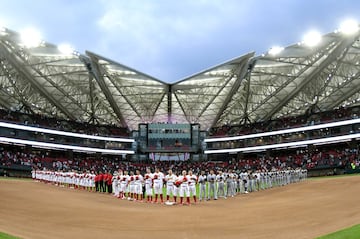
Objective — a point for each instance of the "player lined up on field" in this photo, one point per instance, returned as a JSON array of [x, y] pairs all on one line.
[[178, 188]]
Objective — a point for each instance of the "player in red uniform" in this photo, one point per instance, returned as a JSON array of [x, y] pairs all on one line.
[[109, 182], [97, 182], [101, 182]]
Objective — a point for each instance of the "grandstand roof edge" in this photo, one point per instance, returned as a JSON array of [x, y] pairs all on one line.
[[89, 53], [248, 55]]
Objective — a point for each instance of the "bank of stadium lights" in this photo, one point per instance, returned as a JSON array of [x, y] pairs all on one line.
[[349, 27], [219, 72], [30, 38], [2, 31], [312, 38], [275, 50], [66, 49]]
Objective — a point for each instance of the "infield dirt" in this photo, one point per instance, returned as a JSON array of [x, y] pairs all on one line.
[[30, 209]]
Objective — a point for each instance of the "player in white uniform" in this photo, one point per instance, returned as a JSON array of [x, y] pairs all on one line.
[[158, 185], [131, 186], [33, 174], [71, 179], [183, 180], [202, 185], [192, 184], [138, 186], [171, 189], [149, 185], [92, 181], [81, 181], [120, 175], [115, 182], [124, 181]]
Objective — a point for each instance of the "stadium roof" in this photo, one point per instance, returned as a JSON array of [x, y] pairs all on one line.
[[42, 79]]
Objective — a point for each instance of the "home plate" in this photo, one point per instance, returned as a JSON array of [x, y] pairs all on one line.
[[169, 203]]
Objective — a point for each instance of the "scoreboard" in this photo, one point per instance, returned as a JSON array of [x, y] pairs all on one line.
[[168, 137]]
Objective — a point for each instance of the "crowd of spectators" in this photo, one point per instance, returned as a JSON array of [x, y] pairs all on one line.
[[287, 122], [63, 125], [340, 156]]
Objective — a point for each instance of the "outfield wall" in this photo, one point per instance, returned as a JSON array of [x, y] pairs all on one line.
[[20, 171]]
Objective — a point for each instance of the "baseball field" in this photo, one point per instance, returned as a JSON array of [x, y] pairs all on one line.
[[310, 209]]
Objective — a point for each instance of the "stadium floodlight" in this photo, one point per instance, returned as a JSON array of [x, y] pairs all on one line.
[[312, 38], [349, 27], [30, 37], [2, 31], [66, 49], [275, 50]]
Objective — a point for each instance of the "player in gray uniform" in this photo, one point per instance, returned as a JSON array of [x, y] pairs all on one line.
[[262, 179], [237, 183], [267, 180], [230, 184], [202, 185], [288, 174], [251, 182], [257, 178], [211, 178], [220, 178], [245, 181]]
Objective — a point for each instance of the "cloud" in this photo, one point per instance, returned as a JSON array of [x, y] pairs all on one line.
[[173, 39], [154, 30]]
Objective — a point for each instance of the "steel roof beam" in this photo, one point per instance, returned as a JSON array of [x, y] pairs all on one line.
[[124, 96], [4, 104], [311, 76], [94, 68], [348, 94], [345, 96], [22, 70], [241, 72], [182, 107]]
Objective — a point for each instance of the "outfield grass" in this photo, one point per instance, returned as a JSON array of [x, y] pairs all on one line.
[[7, 236], [348, 233]]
